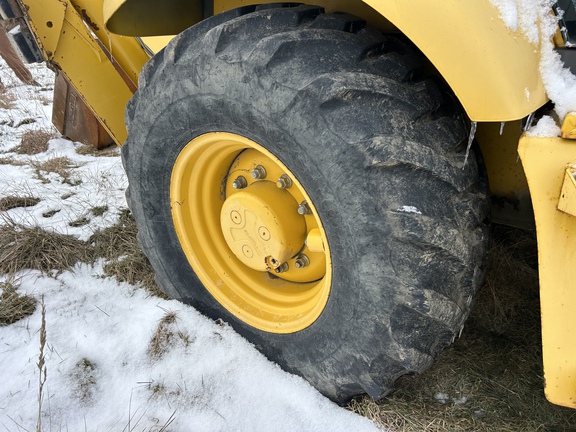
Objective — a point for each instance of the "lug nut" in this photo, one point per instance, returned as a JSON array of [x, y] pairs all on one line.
[[302, 261], [304, 208], [258, 173], [239, 183], [282, 268], [284, 182]]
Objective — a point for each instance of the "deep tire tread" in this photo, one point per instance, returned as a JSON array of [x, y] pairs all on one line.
[[367, 98]]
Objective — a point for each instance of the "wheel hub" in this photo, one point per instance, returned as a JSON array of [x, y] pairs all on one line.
[[262, 227]]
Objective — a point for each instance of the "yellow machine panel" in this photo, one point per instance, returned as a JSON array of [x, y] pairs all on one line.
[[545, 161]]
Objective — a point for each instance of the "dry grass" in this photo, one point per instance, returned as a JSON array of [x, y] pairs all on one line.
[[88, 150], [33, 248], [12, 202], [13, 306], [126, 261], [84, 379], [496, 364], [163, 337], [34, 141], [59, 165], [99, 210], [6, 99], [11, 161], [166, 336], [50, 213], [79, 222]]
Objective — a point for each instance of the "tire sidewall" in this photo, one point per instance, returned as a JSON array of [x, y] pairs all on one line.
[[337, 333]]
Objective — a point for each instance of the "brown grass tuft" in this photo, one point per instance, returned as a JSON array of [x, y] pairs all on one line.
[[88, 150], [166, 336], [79, 222], [50, 213], [11, 161], [496, 364], [11, 202], [118, 244], [60, 165], [163, 337], [33, 248], [34, 142], [13, 306], [84, 378], [6, 99], [99, 210]]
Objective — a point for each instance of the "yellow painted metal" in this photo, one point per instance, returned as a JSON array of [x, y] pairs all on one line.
[[262, 226], [243, 166], [545, 161], [201, 185], [511, 203], [569, 126], [314, 241], [499, 145], [492, 70], [567, 202], [102, 67], [156, 43], [151, 17]]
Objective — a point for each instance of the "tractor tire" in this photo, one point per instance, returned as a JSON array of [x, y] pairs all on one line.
[[284, 122]]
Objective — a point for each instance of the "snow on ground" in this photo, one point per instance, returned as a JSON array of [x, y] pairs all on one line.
[[101, 375]]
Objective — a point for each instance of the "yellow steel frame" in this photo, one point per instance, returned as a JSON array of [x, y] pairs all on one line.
[[546, 161], [102, 67]]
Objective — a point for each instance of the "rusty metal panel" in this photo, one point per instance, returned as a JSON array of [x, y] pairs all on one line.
[[74, 119]]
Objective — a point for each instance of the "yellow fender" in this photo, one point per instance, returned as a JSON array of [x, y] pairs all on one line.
[[492, 70]]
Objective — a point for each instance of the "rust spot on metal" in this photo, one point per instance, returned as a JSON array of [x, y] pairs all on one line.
[[89, 20]]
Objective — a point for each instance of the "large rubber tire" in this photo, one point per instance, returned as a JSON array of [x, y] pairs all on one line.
[[380, 153]]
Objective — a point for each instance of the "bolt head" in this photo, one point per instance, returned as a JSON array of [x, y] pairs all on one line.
[[258, 173], [240, 183], [302, 261], [304, 208], [281, 269], [284, 182]]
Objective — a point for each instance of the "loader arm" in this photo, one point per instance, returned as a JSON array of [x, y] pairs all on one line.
[[102, 67]]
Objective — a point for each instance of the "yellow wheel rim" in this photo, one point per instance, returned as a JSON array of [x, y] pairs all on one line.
[[250, 232]]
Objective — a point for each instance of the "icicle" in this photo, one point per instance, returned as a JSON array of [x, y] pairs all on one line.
[[502, 128], [473, 127], [528, 123]]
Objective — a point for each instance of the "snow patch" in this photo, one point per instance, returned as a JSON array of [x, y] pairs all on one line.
[[521, 14], [536, 21], [546, 127], [409, 209], [442, 397]]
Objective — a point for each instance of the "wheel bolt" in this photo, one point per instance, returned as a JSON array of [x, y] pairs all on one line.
[[302, 261], [239, 183], [304, 208], [282, 268], [258, 173], [284, 182]]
